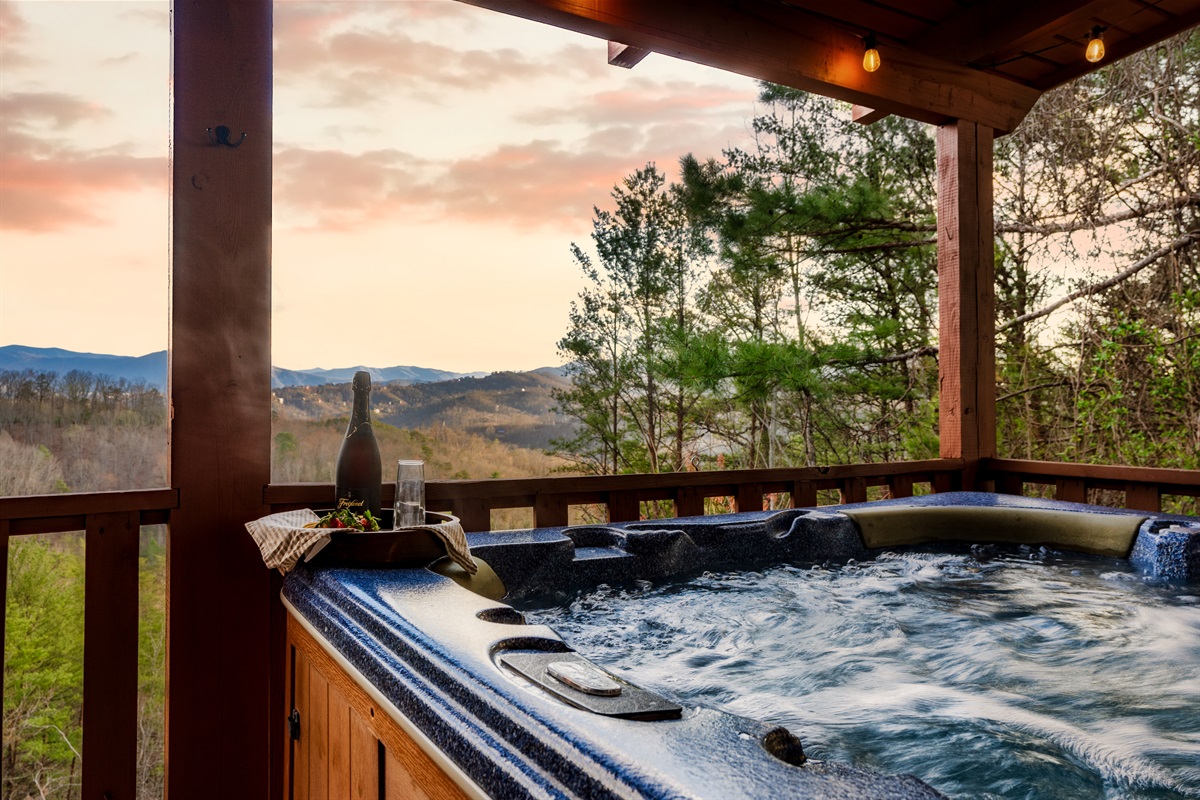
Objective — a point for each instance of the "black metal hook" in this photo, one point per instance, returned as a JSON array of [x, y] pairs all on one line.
[[220, 135]]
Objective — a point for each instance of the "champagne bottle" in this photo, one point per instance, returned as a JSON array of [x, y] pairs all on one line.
[[359, 473]]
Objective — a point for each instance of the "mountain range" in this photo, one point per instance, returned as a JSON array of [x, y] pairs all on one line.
[[151, 368]]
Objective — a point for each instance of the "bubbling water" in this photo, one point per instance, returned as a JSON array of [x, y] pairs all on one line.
[[988, 674]]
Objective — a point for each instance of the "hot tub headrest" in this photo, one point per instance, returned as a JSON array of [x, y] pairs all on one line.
[[1088, 532]]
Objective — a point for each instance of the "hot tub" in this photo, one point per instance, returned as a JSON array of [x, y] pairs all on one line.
[[445, 685]]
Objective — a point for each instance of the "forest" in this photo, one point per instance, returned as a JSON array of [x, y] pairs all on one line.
[[771, 306], [777, 305]]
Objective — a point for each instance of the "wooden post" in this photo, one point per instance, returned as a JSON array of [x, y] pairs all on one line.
[[473, 514], [900, 486], [853, 490], [110, 655], [623, 506], [225, 704], [549, 510], [804, 494], [749, 497], [1072, 490], [966, 295], [1143, 497], [689, 502]]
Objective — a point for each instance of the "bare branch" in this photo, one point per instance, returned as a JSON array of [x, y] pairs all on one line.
[[1100, 222], [1029, 389], [1095, 288], [931, 349]]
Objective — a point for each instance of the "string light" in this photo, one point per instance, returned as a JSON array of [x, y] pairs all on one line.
[[871, 60], [1095, 45]]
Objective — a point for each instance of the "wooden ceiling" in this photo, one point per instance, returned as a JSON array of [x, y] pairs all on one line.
[[986, 61]]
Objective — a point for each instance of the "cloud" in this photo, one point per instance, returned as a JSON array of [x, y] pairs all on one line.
[[22, 110], [538, 184], [13, 36], [360, 59], [47, 184], [334, 190], [157, 17], [646, 101]]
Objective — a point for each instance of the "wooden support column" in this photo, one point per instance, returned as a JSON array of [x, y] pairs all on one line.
[[966, 296], [110, 655], [225, 703]]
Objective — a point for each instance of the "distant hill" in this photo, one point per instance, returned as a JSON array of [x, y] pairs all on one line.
[[152, 368], [513, 407]]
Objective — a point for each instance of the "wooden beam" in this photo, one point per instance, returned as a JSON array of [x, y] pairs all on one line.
[[866, 116], [222, 672], [1116, 50], [783, 44], [999, 29], [1171, 481], [966, 295], [624, 55], [110, 655]]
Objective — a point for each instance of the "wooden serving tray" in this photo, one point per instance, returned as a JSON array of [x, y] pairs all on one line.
[[409, 547]]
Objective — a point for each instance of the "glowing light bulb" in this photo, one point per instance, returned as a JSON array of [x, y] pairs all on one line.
[[871, 59], [1095, 45]]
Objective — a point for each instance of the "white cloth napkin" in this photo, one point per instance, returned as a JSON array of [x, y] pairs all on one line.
[[283, 540]]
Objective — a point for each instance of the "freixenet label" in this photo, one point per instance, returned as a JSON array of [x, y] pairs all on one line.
[[350, 502]]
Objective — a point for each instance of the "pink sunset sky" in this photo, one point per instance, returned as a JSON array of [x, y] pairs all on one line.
[[432, 160]]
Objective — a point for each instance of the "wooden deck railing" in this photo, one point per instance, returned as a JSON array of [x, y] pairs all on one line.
[[472, 501], [1144, 487], [111, 522]]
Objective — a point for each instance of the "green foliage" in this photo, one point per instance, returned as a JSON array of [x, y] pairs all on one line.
[[43, 666], [806, 328]]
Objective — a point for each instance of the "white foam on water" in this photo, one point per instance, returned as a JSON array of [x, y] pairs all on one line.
[[1010, 664]]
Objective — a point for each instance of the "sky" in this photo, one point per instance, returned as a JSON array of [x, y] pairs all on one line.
[[442, 155]]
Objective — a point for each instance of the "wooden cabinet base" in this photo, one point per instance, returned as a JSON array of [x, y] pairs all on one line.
[[347, 746]]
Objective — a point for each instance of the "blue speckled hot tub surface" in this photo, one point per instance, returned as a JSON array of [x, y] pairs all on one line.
[[419, 639]]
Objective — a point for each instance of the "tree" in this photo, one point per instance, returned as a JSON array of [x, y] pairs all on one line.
[[630, 328]]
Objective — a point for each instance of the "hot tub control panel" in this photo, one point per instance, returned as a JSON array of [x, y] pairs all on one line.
[[573, 679]]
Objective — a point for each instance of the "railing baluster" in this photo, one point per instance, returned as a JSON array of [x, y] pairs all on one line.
[[549, 511], [623, 507], [110, 655], [945, 482], [1073, 490], [689, 502], [474, 513], [1143, 497], [1008, 483], [749, 497], [804, 494], [900, 485], [853, 490]]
